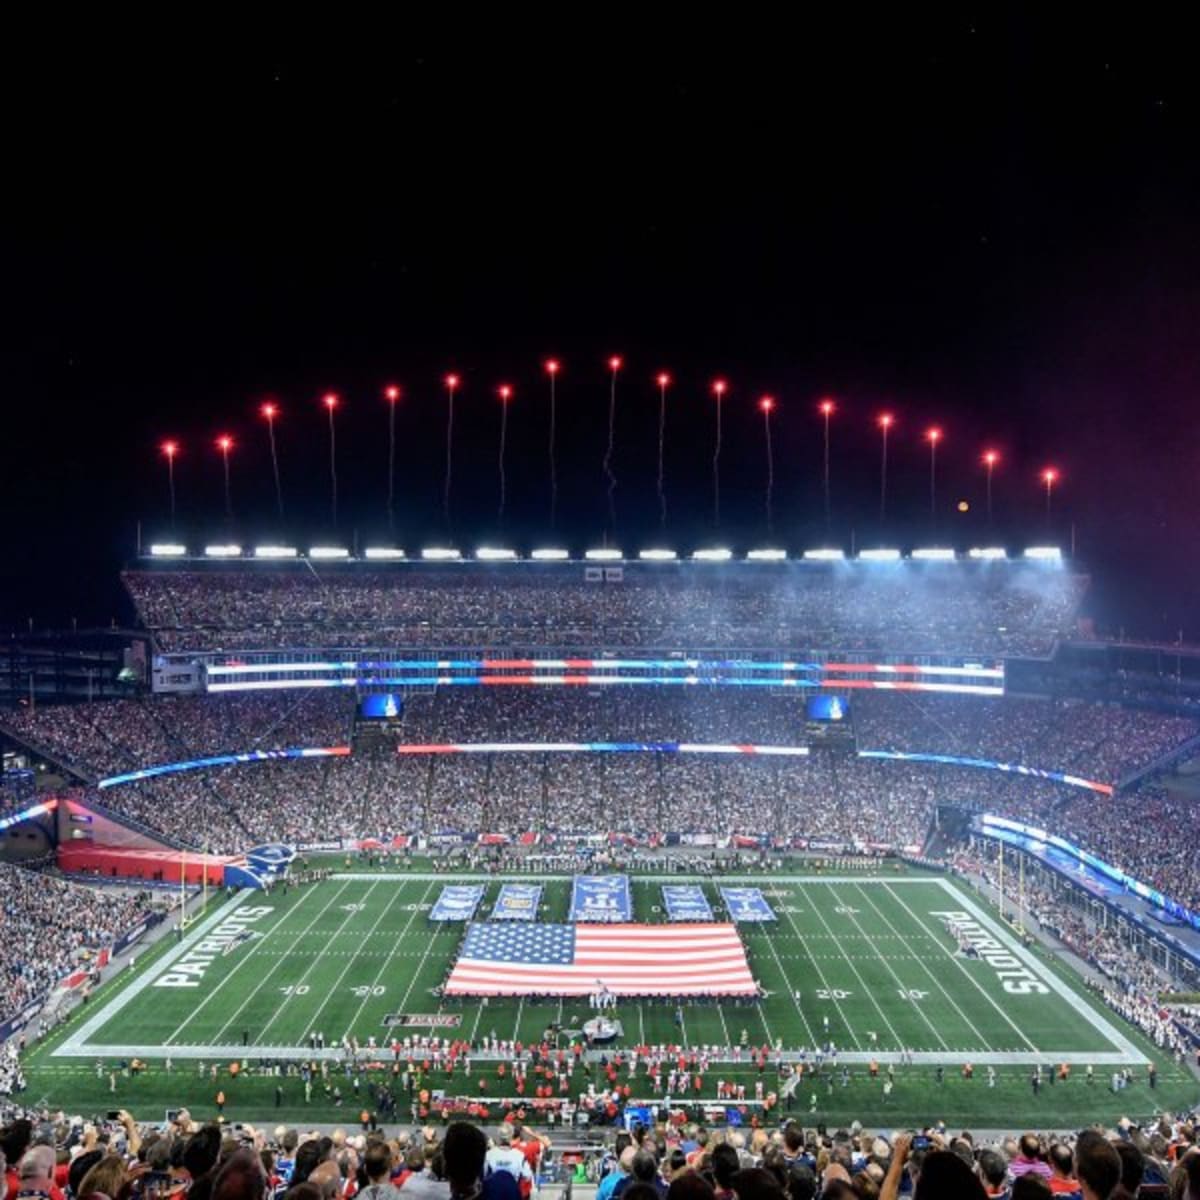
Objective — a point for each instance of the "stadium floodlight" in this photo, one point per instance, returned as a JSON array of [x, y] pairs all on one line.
[[328, 552], [440, 554], [766, 554], [825, 554], [657, 555], [550, 554], [273, 551], [383, 553], [933, 554], [495, 554], [1051, 553], [167, 550], [223, 550], [879, 554], [987, 552], [716, 554], [604, 553]]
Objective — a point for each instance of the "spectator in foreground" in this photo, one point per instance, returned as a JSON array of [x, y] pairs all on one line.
[[1097, 1166]]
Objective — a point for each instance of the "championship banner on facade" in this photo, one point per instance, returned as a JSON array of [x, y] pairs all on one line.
[[518, 902], [601, 898], [686, 902], [457, 902], [746, 904]]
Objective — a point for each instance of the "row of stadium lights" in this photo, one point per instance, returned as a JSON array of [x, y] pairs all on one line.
[[606, 554], [989, 459]]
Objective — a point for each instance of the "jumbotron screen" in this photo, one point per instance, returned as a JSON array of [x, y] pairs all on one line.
[[828, 706], [381, 706]]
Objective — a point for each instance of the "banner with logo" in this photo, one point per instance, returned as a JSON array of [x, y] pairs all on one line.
[[518, 902], [601, 898], [686, 902], [746, 904], [457, 902]]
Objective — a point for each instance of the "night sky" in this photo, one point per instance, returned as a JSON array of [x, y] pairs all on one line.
[[987, 223]]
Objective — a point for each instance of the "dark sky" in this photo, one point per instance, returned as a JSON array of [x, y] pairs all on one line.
[[987, 221]]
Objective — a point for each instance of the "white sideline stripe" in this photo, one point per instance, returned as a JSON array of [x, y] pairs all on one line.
[[762, 879], [75, 1044], [1050, 978]]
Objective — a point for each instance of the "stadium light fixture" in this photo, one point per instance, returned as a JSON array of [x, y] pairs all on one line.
[[440, 554], [273, 551], [879, 554], [716, 554], [167, 550], [223, 550], [1046, 553], [495, 554], [824, 554], [550, 554], [657, 554], [383, 553], [990, 552], [604, 554], [328, 552], [933, 554], [766, 554]]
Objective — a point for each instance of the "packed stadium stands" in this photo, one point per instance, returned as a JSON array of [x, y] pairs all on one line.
[[52, 927], [976, 608]]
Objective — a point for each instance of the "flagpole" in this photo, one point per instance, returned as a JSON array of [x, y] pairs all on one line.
[[1002, 880]]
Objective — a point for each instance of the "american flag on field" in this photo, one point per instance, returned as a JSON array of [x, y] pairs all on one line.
[[703, 959]]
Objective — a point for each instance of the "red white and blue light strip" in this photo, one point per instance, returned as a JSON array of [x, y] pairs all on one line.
[[967, 679]]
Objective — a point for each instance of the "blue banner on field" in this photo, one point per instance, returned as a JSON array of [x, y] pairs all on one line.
[[457, 902], [686, 902], [746, 904], [601, 898], [518, 902]]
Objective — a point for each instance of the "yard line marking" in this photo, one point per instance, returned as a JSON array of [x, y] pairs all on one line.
[[861, 982], [353, 957], [243, 960], [412, 916], [354, 911], [517, 1022], [877, 956], [954, 958], [812, 1037]]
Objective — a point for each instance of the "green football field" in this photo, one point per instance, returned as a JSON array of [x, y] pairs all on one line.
[[864, 962]]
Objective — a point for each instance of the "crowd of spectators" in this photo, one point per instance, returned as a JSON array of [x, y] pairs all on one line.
[[827, 797], [53, 927], [913, 607], [672, 1158], [1098, 741], [1130, 982], [1147, 834], [113, 736]]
